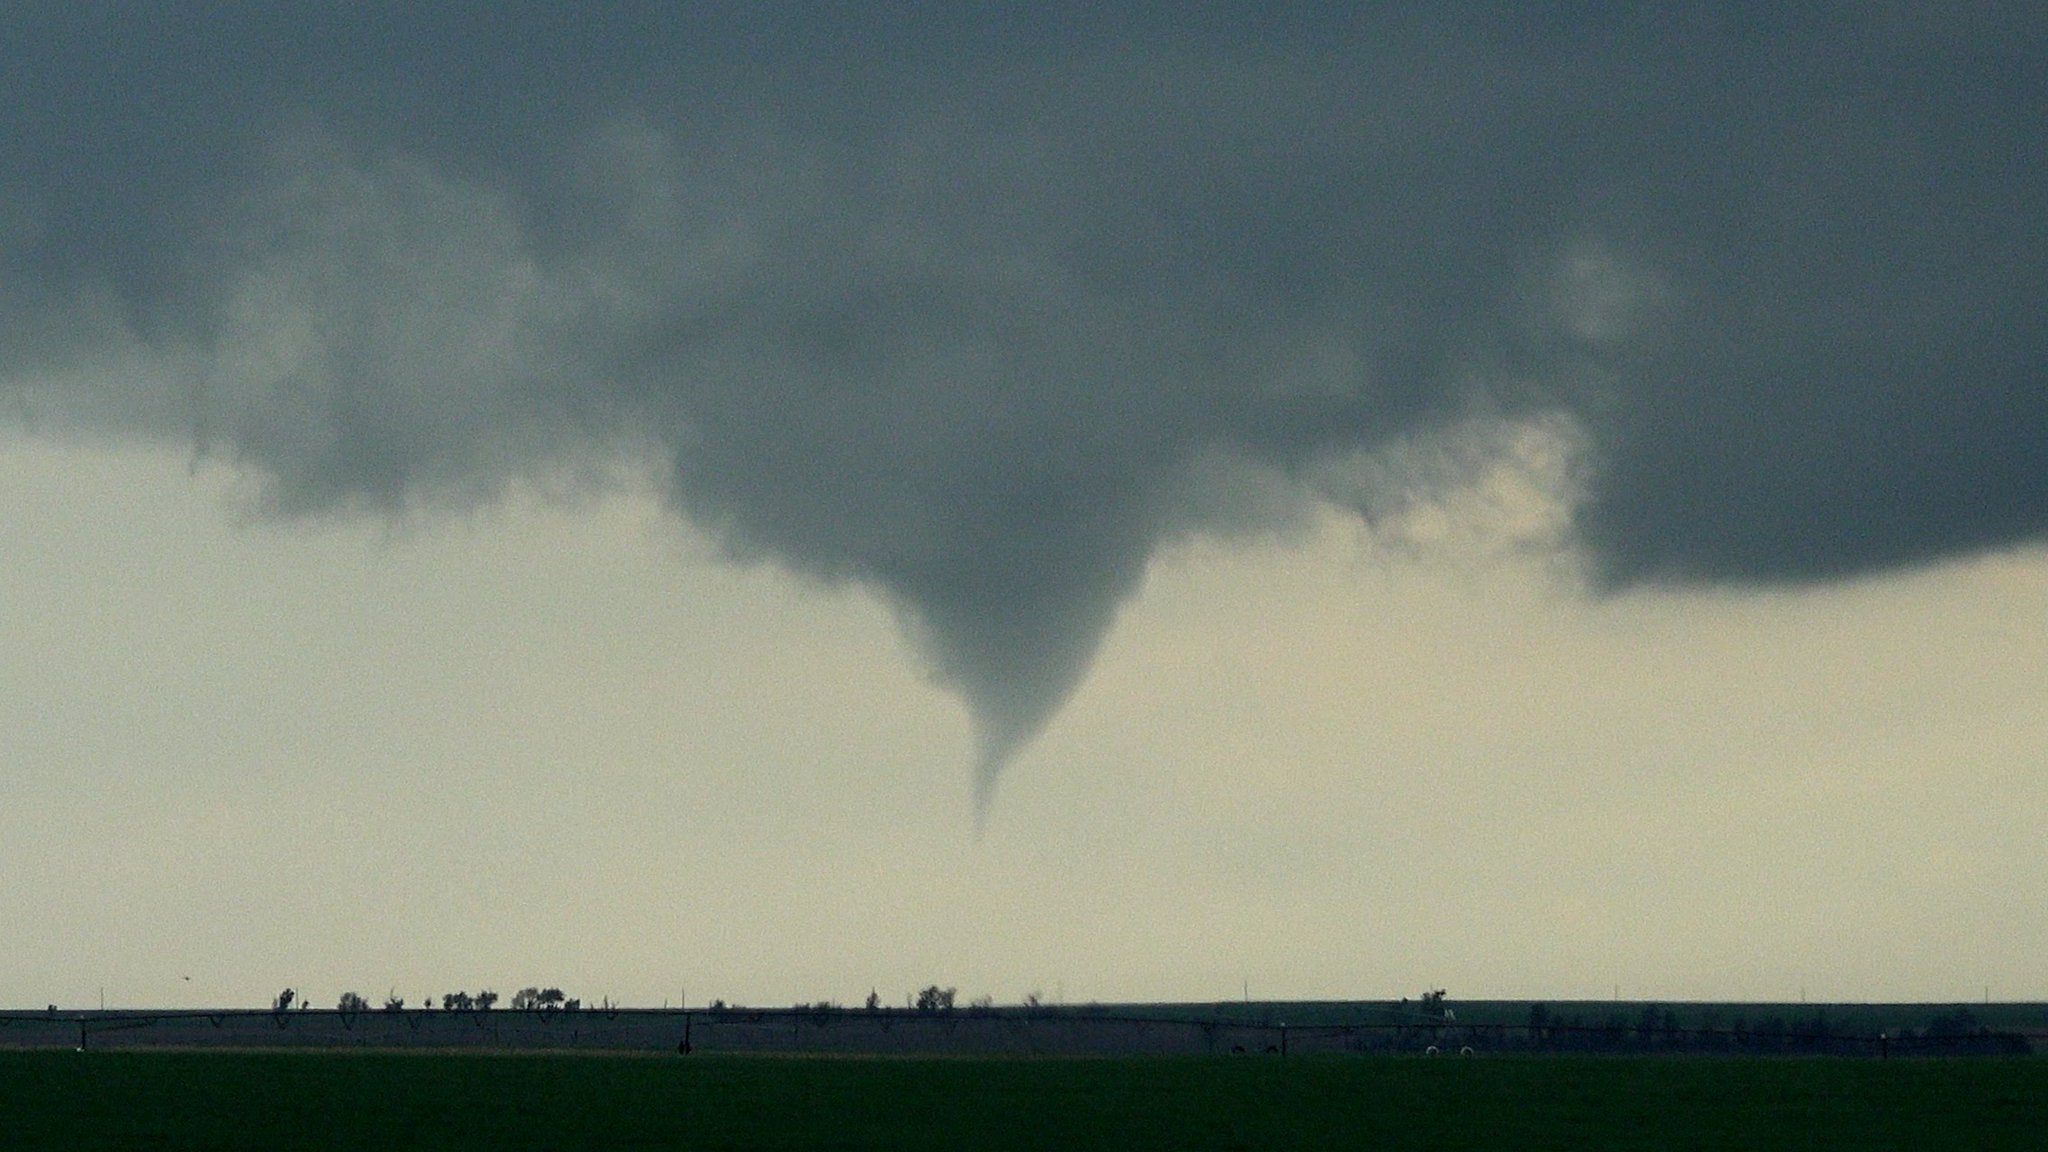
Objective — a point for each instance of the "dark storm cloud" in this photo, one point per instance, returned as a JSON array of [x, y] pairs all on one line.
[[977, 309]]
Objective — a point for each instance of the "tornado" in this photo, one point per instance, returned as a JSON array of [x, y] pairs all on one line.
[[977, 311]]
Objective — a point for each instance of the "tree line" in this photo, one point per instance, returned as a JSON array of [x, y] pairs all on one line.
[[530, 999]]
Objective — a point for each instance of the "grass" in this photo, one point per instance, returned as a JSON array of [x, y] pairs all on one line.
[[273, 1100]]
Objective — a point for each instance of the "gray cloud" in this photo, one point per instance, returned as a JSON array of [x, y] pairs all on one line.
[[978, 311]]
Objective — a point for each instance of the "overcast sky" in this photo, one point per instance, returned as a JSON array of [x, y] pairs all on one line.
[[778, 501]]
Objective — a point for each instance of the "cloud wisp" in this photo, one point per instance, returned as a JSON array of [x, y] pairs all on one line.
[[979, 313]]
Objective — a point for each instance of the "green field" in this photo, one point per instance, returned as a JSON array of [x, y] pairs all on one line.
[[163, 1099]]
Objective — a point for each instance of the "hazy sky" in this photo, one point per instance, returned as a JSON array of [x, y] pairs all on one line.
[[1345, 500]]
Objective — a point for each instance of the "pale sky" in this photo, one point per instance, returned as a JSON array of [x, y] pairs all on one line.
[[1355, 505]]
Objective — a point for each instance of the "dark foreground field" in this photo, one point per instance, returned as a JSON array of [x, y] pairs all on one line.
[[275, 1100]]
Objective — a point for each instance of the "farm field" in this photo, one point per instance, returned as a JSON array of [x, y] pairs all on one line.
[[420, 1100]]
